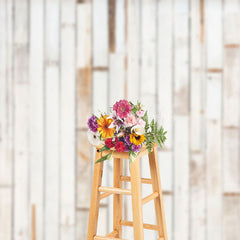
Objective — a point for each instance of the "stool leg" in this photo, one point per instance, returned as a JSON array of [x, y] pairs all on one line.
[[117, 198], [136, 199], [154, 168], [95, 198]]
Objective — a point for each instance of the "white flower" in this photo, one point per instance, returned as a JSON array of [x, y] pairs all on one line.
[[138, 129], [94, 137]]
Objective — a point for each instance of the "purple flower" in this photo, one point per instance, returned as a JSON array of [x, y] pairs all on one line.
[[117, 121], [126, 148], [127, 140], [136, 148], [92, 123]]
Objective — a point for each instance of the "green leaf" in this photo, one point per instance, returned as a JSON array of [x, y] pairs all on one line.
[[104, 148], [132, 156], [106, 157]]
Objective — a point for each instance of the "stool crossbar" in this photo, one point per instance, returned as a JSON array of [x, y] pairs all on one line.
[[100, 192]]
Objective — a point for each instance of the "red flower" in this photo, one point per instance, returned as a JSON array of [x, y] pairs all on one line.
[[109, 143], [120, 147]]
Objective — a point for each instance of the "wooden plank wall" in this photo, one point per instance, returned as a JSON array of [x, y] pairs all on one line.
[[60, 60]]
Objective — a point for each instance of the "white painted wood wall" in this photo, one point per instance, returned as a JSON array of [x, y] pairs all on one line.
[[60, 60]]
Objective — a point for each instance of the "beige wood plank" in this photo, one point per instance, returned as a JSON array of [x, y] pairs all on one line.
[[181, 119], [231, 217], [52, 120], [100, 32], [84, 63], [164, 68], [68, 116], [6, 212], [21, 121], [84, 94], [198, 196], [36, 75]]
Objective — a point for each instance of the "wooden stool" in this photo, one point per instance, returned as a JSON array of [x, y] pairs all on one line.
[[99, 192]]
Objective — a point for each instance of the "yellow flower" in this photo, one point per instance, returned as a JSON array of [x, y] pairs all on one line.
[[104, 122], [137, 139]]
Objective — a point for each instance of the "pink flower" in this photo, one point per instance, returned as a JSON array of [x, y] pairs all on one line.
[[140, 113], [122, 108], [141, 122], [131, 120]]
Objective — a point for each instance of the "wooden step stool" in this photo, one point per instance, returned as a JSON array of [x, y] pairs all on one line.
[[99, 192]]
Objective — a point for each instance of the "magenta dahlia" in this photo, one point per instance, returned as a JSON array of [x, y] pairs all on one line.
[[122, 108]]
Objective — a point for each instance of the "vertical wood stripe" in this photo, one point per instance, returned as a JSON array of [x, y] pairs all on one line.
[[37, 108], [67, 123], [52, 121]]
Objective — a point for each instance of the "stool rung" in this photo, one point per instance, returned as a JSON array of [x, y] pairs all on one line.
[[115, 190], [112, 234], [106, 238], [149, 197], [145, 225], [104, 195], [143, 180]]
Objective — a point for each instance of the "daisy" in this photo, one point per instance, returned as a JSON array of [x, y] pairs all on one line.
[[94, 137], [104, 128]]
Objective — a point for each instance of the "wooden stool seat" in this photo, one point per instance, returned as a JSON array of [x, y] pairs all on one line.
[[100, 192]]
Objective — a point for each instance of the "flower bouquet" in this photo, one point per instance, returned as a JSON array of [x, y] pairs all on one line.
[[125, 129]]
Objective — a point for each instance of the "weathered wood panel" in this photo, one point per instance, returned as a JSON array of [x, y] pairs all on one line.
[[213, 118], [67, 124], [52, 122], [181, 120], [21, 121], [231, 217], [197, 192], [148, 91], [231, 97], [36, 76], [84, 108], [5, 127], [62, 60], [165, 103]]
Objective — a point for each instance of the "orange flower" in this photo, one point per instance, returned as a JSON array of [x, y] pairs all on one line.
[[104, 122]]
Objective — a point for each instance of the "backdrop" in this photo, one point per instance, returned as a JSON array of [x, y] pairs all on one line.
[[60, 60]]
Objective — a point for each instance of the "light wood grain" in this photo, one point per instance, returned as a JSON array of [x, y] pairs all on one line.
[[136, 199], [181, 120], [63, 60], [145, 225], [214, 120], [21, 121], [52, 121], [37, 111], [95, 197], [115, 190], [67, 124], [150, 197], [156, 186], [117, 198], [6, 213]]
